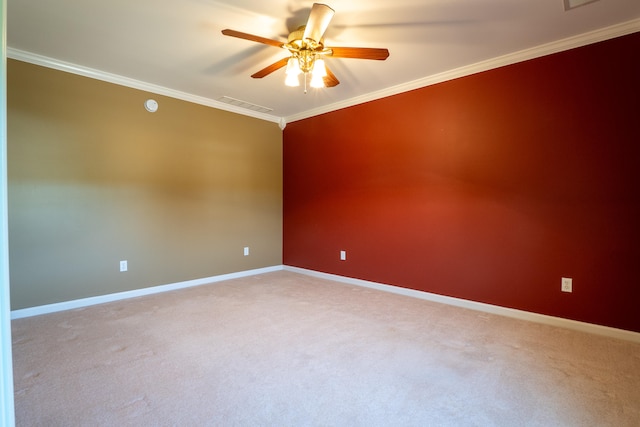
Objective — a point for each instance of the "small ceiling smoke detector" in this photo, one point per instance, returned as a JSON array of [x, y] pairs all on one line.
[[151, 105], [572, 4]]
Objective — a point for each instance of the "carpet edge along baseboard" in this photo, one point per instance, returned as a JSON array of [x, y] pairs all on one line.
[[458, 302]]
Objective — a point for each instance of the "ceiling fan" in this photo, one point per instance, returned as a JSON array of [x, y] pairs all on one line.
[[307, 51]]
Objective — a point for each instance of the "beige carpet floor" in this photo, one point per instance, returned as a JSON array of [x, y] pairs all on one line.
[[284, 349]]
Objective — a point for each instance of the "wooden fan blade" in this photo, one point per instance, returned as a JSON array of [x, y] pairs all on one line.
[[251, 37], [360, 53], [318, 22], [330, 80], [270, 69]]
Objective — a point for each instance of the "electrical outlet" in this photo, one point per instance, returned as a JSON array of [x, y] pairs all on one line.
[[246, 251], [343, 255], [567, 284], [123, 266]]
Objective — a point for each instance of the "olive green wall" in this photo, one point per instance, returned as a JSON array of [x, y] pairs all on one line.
[[94, 179]]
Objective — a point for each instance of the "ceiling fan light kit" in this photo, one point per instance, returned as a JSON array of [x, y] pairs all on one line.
[[292, 72], [307, 51]]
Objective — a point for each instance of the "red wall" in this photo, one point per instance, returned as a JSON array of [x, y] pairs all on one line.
[[489, 188]]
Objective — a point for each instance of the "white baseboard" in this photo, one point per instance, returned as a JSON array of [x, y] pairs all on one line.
[[478, 306], [458, 302], [85, 302]]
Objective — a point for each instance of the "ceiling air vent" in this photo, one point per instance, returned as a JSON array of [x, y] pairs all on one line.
[[244, 104], [571, 4]]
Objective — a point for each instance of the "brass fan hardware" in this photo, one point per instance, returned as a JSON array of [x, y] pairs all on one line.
[[307, 51]]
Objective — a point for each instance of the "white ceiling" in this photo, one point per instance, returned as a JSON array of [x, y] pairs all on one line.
[[176, 47]]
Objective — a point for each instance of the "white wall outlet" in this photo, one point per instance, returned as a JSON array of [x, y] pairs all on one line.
[[246, 251], [123, 265], [567, 284], [343, 255]]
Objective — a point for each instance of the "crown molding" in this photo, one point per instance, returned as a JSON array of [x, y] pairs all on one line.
[[595, 36], [68, 67], [591, 37]]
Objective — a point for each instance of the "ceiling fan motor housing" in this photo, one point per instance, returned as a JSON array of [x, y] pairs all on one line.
[[304, 50]]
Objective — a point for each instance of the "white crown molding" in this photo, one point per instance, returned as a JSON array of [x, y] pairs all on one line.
[[602, 34], [478, 306], [68, 67]]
